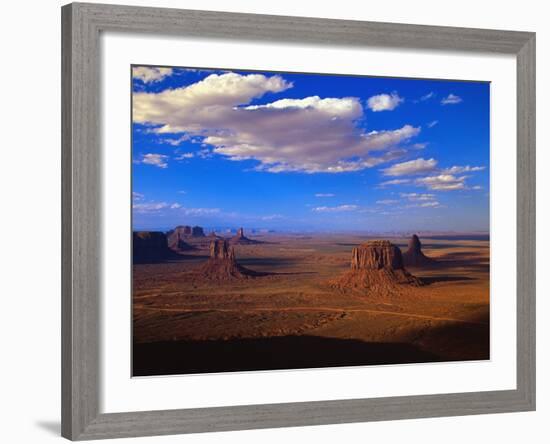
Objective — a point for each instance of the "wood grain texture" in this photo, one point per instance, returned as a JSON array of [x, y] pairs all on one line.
[[259, 27], [81, 231], [526, 221], [81, 222]]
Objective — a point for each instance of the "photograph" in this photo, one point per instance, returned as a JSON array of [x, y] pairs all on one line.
[[288, 220]]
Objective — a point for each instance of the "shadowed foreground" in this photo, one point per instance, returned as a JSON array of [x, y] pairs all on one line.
[[284, 352]]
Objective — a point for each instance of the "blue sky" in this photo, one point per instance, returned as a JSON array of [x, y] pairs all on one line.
[[309, 152]]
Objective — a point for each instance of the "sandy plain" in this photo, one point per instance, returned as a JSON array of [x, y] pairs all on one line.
[[293, 317]]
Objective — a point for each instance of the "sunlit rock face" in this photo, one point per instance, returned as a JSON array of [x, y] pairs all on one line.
[[375, 255], [222, 264], [376, 267]]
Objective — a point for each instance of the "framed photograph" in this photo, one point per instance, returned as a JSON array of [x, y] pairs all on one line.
[[278, 221]]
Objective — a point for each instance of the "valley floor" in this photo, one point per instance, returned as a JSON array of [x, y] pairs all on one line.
[[292, 317]]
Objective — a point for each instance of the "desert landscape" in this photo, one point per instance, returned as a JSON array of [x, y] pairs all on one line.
[[207, 303], [290, 220]]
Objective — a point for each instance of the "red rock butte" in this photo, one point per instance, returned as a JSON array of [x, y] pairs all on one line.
[[376, 265], [241, 239], [414, 257], [375, 255], [222, 264], [221, 251], [176, 239]]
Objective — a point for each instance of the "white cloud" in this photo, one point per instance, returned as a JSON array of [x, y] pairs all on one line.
[[182, 192], [417, 166], [149, 207], [156, 207], [205, 104], [432, 123], [329, 105], [443, 182], [200, 211], [185, 156], [337, 209], [428, 96], [158, 160], [150, 74], [419, 146], [310, 134], [477, 187], [387, 201], [417, 196], [178, 141], [431, 204], [137, 196], [462, 169], [324, 195], [384, 102], [451, 99], [395, 182]]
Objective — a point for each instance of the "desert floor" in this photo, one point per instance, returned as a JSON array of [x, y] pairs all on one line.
[[294, 318]]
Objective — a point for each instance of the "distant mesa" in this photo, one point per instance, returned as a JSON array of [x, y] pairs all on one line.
[[186, 231], [376, 265], [222, 264], [177, 239], [213, 235], [241, 239], [414, 257], [150, 246]]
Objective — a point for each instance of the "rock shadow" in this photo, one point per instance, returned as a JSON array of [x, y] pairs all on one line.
[[428, 280], [272, 353]]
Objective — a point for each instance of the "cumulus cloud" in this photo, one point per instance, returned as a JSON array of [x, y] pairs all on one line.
[[324, 195], [209, 103], [337, 209], [310, 134], [443, 182], [384, 102], [158, 160], [411, 167], [150, 74], [451, 99], [178, 141], [443, 179]]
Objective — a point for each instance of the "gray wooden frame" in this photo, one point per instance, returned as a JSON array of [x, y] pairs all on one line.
[[81, 26]]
